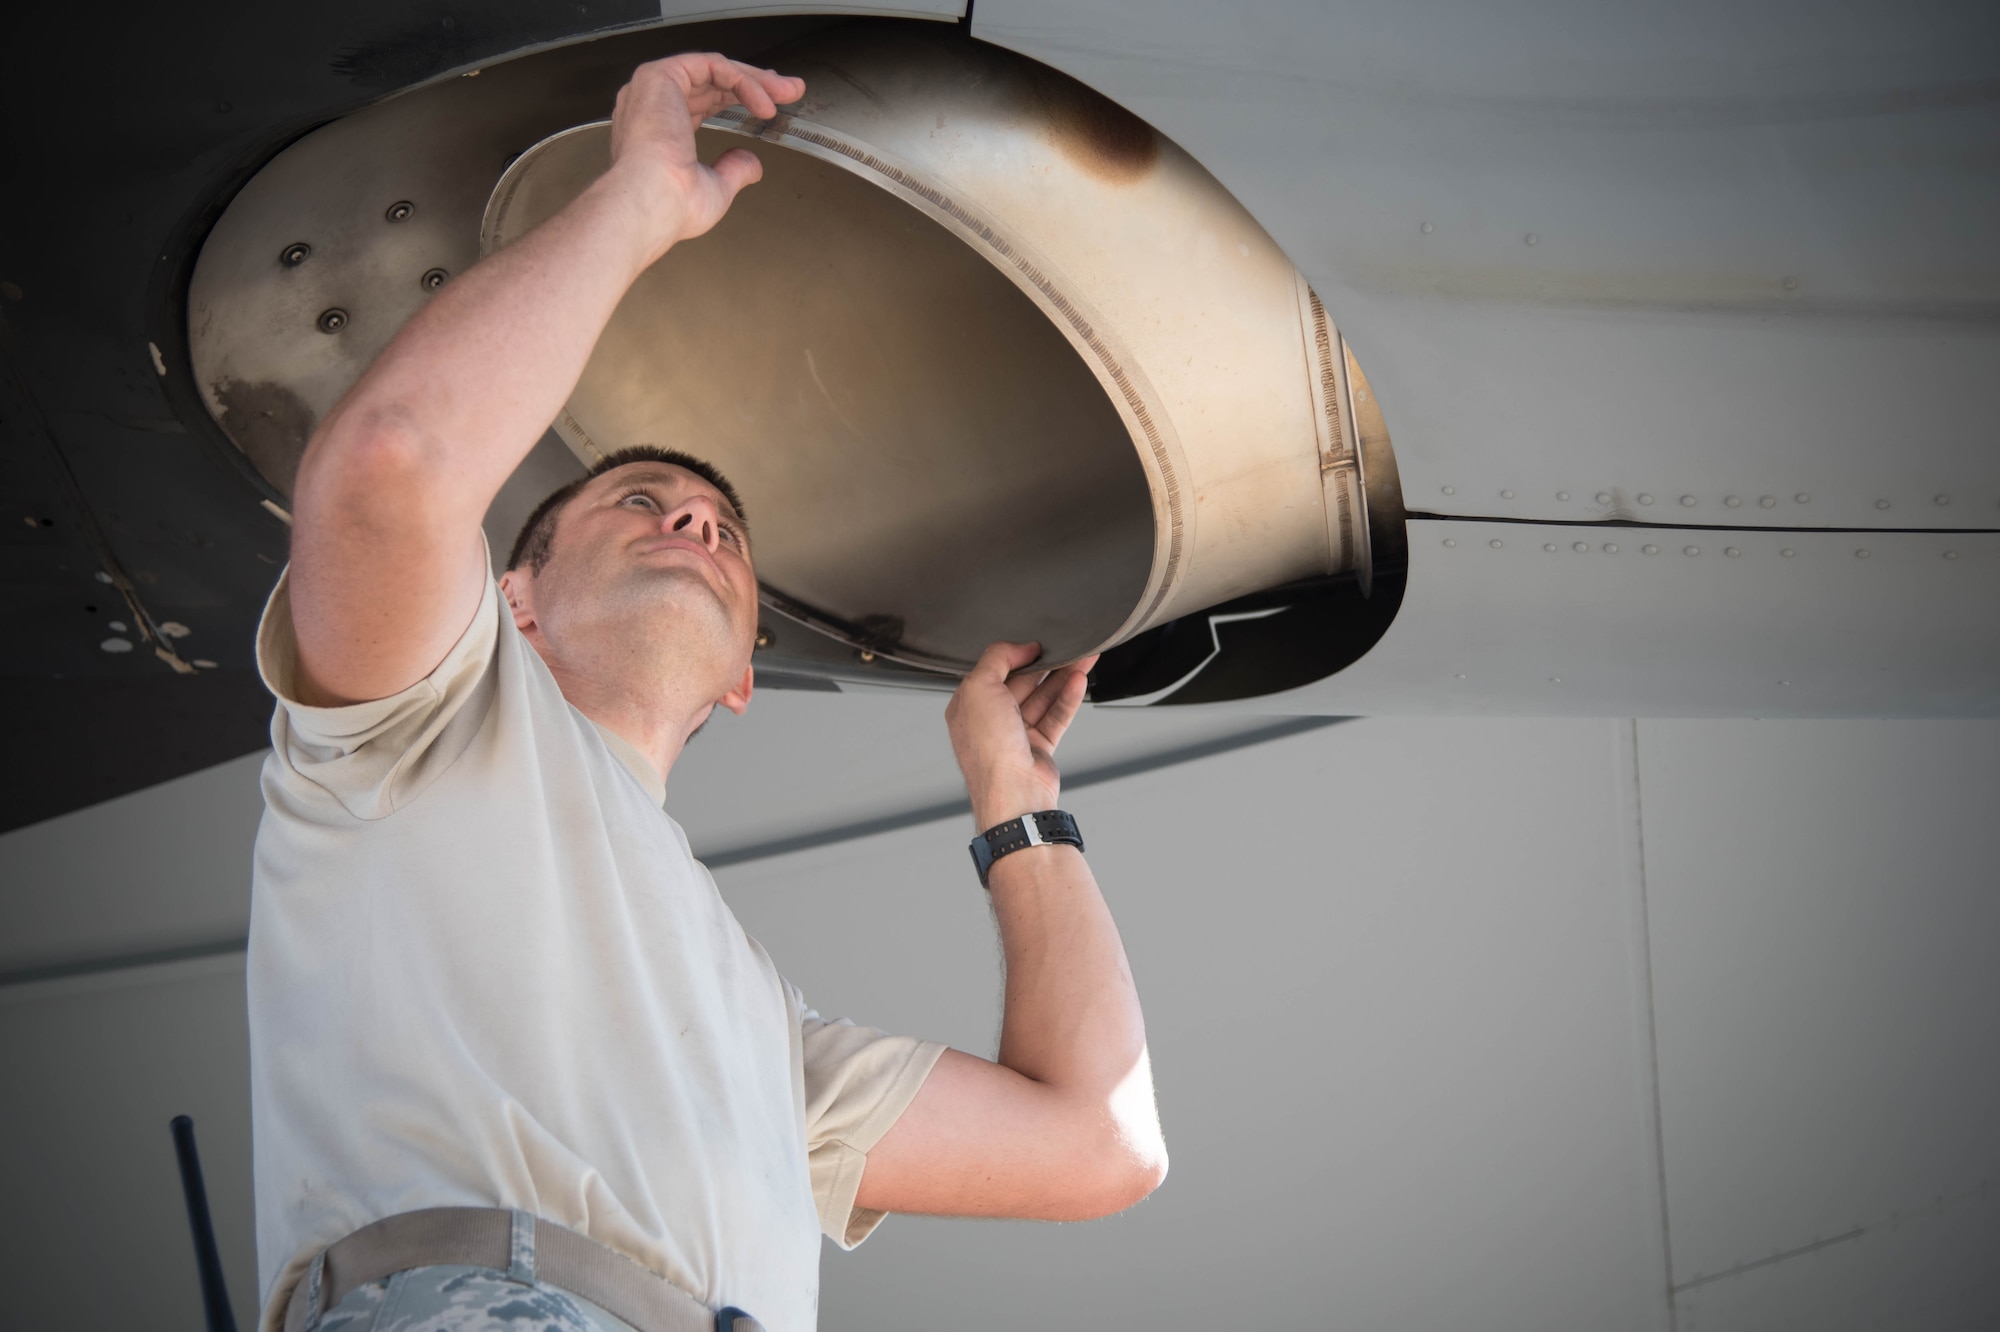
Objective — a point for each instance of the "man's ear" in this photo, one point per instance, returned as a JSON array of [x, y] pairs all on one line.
[[738, 698], [519, 589]]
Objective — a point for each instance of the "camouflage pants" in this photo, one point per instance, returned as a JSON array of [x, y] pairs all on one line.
[[464, 1299]]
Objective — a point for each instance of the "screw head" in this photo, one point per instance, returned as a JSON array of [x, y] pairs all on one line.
[[1650, 549], [1451, 490], [333, 320], [1426, 228], [1645, 499], [1788, 552], [1881, 504], [1506, 494], [1731, 502], [1802, 498], [1791, 284], [1731, 551], [1611, 548], [1942, 499], [1580, 547], [1604, 497], [1687, 501], [764, 638], [1951, 554], [1531, 239], [295, 254], [865, 655], [400, 211], [1495, 543], [1767, 502], [1861, 554], [1563, 495], [1692, 550], [434, 279], [1548, 545], [1449, 543]]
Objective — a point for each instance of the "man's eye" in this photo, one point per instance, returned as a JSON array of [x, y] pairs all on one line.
[[735, 537], [642, 497]]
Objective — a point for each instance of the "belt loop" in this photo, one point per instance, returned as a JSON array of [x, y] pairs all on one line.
[[315, 1281], [521, 1249]]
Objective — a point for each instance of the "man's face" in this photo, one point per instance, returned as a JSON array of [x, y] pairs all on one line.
[[645, 549]]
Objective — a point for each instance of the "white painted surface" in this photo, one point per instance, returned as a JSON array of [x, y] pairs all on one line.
[[1825, 899], [1826, 631]]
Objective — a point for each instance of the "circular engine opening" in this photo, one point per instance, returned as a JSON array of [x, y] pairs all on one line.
[[925, 458]]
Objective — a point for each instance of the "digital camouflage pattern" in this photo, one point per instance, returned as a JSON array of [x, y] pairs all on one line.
[[464, 1299]]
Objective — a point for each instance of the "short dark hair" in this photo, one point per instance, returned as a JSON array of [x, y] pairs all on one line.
[[537, 539]]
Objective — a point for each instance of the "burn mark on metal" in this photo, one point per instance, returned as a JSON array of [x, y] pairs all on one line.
[[270, 423], [1094, 132]]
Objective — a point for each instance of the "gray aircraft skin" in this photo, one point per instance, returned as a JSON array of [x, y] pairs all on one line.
[[1681, 328], [1636, 362]]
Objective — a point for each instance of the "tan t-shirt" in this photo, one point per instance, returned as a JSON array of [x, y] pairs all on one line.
[[485, 970]]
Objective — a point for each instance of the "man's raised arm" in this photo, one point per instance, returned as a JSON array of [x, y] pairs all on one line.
[[386, 567], [1063, 1126]]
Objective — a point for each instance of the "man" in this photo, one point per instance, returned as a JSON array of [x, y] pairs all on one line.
[[485, 972]]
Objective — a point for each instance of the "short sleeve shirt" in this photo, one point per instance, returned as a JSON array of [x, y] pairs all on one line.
[[486, 970]]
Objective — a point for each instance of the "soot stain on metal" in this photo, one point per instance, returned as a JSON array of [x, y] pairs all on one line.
[[1095, 133], [270, 423]]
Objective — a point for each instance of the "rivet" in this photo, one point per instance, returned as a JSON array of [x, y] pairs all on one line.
[[1687, 501], [1802, 498], [400, 211], [1459, 676], [1611, 548], [332, 321], [1555, 679], [1531, 239], [118, 626], [1645, 499], [1942, 499], [1449, 543], [1506, 494], [295, 254], [433, 279], [865, 655], [1731, 551], [1604, 497], [1767, 502], [1495, 543], [204, 663], [1580, 547], [1791, 284], [1692, 550], [1548, 545], [116, 645], [1427, 229], [1563, 495], [1861, 554], [101, 576], [1881, 504], [224, 107], [1788, 552], [1951, 554], [1451, 490], [1650, 549], [1731, 502], [1785, 683], [764, 639]]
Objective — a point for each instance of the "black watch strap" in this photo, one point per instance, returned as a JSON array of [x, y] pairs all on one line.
[[1042, 828]]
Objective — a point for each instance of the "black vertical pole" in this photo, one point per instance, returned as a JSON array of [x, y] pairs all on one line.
[[214, 1295]]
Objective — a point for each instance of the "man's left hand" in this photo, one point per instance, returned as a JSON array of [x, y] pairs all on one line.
[[1005, 723]]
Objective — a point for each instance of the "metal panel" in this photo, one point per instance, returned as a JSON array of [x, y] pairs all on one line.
[[1585, 250], [1515, 618], [1822, 916]]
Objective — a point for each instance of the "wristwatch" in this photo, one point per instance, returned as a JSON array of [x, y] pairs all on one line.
[[1044, 828]]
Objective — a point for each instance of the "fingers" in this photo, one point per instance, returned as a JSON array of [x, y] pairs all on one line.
[[737, 168], [710, 82], [1000, 660], [1055, 702]]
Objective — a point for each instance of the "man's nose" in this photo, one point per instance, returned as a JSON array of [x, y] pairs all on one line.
[[697, 518]]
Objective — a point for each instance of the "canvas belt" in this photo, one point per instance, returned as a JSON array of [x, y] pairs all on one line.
[[520, 1246]]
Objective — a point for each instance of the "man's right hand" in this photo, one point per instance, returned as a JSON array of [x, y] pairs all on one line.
[[653, 128]]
